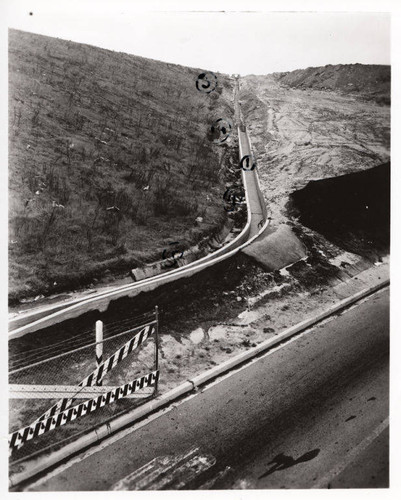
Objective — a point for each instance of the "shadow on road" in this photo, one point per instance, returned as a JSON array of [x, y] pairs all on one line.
[[282, 461]]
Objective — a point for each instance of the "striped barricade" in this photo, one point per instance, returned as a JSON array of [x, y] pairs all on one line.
[[17, 391], [59, 409], [101, 371], [18, 438]]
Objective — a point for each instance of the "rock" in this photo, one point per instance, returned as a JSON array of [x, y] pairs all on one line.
[[196, 336], [247, 317], [276, 249], [268, 330], [218, 332]]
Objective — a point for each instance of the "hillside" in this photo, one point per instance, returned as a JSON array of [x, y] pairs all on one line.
[[370, 81], [110, 160], [303, 134]]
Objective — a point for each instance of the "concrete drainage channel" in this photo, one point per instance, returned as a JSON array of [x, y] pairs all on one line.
[[28, 469], [256, 210]]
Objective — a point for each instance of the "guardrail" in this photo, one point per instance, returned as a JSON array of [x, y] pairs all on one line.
[[102, 300]]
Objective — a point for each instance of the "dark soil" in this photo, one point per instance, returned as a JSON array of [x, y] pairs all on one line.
[[351, 211], [181, 302]]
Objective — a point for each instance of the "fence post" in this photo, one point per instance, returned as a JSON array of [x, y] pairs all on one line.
[[157, 343], [99, 344]]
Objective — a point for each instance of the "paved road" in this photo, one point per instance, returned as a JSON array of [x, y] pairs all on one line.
[[309, 414]]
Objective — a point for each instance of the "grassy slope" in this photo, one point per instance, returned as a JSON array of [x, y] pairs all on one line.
[[90, 129]]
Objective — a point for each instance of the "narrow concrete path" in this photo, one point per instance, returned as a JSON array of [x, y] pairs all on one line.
[[251, 187]]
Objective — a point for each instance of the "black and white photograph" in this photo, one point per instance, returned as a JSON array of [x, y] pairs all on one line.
[[197, 247]]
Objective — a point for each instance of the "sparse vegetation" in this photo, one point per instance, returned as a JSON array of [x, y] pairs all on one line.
[[109, 161], [372, 81]]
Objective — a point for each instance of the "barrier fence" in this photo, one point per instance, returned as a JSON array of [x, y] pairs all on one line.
[[45, 382]]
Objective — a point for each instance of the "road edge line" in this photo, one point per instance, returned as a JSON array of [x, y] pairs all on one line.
[[106, 429], [352, 456]]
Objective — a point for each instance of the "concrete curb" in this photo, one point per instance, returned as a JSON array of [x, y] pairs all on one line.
[[35, 466], [101, 300], [289, 332]]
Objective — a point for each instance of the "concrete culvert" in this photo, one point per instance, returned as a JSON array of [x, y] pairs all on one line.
[[352, 211]]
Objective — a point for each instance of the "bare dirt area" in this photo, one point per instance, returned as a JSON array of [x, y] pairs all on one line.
[[300, 135], [304, 135], [370, 81]]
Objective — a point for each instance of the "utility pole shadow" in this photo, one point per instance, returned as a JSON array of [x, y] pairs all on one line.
[[281, 461]]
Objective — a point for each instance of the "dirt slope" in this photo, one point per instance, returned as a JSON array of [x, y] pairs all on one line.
[[367, 80], [109, 161], [307, 135]]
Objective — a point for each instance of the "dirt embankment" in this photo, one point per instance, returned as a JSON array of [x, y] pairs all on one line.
[[351, 210], [370, 81], [308, 135]]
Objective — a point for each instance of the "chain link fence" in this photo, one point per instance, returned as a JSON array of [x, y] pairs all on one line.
[[44, 376]]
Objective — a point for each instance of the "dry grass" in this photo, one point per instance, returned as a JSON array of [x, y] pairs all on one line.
[[92, 129]]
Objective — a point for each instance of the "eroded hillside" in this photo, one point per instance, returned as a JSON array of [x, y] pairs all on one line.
[[109, 161], [301, 134], [369, 81]]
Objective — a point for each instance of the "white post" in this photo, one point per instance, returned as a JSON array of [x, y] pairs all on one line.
[[99, 344], [156, 344]]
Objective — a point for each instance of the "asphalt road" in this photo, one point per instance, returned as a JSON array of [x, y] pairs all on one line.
[[311, 413]]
